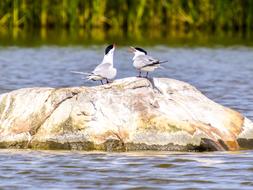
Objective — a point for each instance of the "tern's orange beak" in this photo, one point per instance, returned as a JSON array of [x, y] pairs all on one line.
[[131, 49], [114, 45]]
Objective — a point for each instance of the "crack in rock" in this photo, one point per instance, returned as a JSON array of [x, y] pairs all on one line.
[[34, 131]]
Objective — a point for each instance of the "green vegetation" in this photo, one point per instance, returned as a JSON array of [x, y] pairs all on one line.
[[131, 15], [140, 21]]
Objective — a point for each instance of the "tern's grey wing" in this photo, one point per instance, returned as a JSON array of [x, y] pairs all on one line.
[[105, 70], [103, 67], [144, 60], [151, 59]]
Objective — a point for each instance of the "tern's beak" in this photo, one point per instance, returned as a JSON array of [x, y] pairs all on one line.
[[114, 46], [131, 49]]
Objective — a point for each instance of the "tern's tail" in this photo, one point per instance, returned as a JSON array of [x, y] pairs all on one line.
[[163, 61], [88, 76], [94, 77], [81, 73]]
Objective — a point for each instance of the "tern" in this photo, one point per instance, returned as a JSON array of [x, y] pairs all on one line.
[[144, 62], [105, 70]]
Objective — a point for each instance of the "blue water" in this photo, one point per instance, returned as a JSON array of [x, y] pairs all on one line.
[[223, 74], [135, 170]]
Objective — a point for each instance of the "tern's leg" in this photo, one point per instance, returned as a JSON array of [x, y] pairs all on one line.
[[139, 73], [101, 81], [147, 75]]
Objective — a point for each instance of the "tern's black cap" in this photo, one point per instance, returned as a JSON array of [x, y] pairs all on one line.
[[142, 50], [108, 48]]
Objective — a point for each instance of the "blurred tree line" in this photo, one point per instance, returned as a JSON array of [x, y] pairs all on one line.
[[129, 15]]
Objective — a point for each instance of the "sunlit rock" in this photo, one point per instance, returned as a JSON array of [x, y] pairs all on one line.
[[128, 114]]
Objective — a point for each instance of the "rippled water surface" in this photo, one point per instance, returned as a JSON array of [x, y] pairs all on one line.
[[223, 74], [135, 170]]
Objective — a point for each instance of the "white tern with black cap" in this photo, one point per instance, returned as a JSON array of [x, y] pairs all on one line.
[[105, 70], [144, 62]]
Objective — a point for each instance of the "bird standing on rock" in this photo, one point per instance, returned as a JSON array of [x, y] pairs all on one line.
[[105, 70], [144, 62]]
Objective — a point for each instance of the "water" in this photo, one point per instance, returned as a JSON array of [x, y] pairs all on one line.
[[80, 36], [223, 74], [135, 170]]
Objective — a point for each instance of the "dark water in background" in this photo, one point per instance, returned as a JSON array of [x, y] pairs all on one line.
[[80, 36], [223, 74]]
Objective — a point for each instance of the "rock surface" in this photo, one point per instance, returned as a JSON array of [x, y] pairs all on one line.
[[128, 114]]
